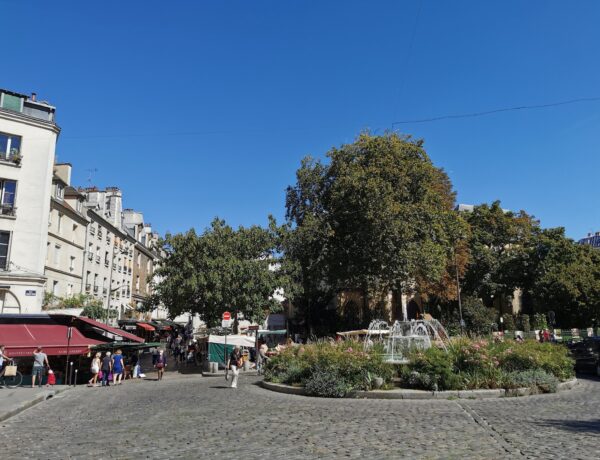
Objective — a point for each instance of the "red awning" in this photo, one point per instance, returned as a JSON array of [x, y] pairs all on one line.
[[113, 330], [23, 339], [146, 326]]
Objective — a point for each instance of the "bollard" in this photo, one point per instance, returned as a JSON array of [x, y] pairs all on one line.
[[71, 373], [75, 384]]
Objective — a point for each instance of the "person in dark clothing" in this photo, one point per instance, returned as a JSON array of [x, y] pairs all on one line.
[[107, 365], [234, 363]]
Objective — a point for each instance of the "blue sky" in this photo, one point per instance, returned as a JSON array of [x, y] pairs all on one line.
[[204, 108]]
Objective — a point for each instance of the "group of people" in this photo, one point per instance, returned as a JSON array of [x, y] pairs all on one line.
[[40, 364], [108, 368]]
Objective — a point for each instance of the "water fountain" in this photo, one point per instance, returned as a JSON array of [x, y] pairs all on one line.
[[404, 336]]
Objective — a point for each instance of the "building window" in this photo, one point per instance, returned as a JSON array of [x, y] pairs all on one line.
[[4, 244], [59, 191], [57, 254], [72, 263], [10, 147], [54, 288], [8, 189], [139, 260], [69, 290], [137, 284], [60, 216], [79, 205]]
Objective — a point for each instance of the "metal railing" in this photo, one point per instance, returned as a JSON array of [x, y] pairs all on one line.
[[88, 287], [8, 210]]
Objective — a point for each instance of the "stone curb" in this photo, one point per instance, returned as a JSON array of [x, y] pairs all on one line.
[[222, 374], [420, 394], [32, 402]]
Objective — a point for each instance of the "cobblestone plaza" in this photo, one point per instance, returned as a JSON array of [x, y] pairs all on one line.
[[195, 417]]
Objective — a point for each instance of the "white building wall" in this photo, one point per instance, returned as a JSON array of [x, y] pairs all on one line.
[[22, 284]]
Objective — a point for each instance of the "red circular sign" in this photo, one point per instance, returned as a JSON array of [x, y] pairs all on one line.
[[226, 316]]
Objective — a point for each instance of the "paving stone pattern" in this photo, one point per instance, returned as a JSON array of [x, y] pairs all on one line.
[[194, 417]]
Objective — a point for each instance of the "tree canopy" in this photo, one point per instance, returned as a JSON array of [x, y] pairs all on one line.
[[378, 216], [219, 270]]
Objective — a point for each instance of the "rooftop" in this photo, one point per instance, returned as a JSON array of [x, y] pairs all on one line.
[[26, 105]]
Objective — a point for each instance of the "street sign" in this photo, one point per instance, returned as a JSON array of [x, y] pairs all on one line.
[[226, 316], [226, 323]]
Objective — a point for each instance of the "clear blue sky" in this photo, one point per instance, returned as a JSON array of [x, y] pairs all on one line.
[[198, 109]]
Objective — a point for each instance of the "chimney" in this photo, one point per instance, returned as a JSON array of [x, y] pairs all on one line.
[[33, 97]]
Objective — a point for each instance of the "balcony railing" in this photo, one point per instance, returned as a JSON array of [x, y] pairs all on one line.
[[88, 287], [97, 259], [95, 289], [14, 156], [104, 291], [8, 210]]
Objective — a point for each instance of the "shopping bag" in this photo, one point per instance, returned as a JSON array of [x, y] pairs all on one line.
[[10, 371]]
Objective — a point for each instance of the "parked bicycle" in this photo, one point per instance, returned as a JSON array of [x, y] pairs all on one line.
[[10, 376]]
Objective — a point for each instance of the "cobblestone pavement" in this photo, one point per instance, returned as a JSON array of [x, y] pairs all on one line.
[[195, 417]]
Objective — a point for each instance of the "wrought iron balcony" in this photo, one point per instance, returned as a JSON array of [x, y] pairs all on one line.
[[88, 287]]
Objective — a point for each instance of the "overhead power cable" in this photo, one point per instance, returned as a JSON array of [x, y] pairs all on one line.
[[490, 112]]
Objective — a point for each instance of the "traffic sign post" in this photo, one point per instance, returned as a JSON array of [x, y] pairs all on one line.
[[226, 320]]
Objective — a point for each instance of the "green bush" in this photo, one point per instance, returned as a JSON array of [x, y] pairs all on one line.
[[479, 364], [524, 323], [535, 379], [352, 368], [509, 322], [327, 383]]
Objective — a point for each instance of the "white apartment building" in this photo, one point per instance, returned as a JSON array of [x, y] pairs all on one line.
[[28, 135], [108, 263], [66, 237]]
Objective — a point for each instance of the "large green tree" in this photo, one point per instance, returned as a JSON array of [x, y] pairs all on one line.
[[378, 216], [221, 269]]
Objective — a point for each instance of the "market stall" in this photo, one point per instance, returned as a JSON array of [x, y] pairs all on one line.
[[219, 346]]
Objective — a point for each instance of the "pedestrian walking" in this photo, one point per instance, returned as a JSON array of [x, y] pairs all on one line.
[[118, 367], [40, 360], [154, 355], [107, 366], [234, 363], [95, 369], [4, 360], [161, 363], [135, 363]]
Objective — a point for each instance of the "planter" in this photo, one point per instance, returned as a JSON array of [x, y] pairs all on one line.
[[377, 383]]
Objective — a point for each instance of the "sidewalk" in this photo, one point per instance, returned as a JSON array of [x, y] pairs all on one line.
[[13, 401]]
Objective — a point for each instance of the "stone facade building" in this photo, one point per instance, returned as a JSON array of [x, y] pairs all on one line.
[[66, 237]]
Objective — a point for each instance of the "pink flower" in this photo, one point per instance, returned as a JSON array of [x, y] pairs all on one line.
[[349, 350]]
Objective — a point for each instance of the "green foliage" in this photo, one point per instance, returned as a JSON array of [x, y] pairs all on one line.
[[327, 383], [478, 318], [81, 300], [221, 269], [540, 321], [509, 322], [378, 217], [535, 379], [524, 323], [329, 370], [479, 364], [96, 311]]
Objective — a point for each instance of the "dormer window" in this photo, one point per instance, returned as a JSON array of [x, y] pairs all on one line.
[[59, 191]]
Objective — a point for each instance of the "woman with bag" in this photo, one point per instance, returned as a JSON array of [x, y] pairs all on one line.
[[118, 368], [40, 359], [107, 365], [234, 363], [95, 369], [161, 363]]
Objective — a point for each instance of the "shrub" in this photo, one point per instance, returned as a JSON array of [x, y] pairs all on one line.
[[535, 379], [431, 369], [509, 322], [531, 355], [540, 321], [524, 323], [327, 383]]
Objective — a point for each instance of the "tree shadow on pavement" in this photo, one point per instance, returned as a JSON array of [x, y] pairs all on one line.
[[579, 426]]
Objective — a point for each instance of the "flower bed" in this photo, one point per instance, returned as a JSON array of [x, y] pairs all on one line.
[[336, 370], [330, 370], [479, 364]]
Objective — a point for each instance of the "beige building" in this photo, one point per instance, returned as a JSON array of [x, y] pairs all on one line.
[[108, 264], [28, 135], [67, 227]]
